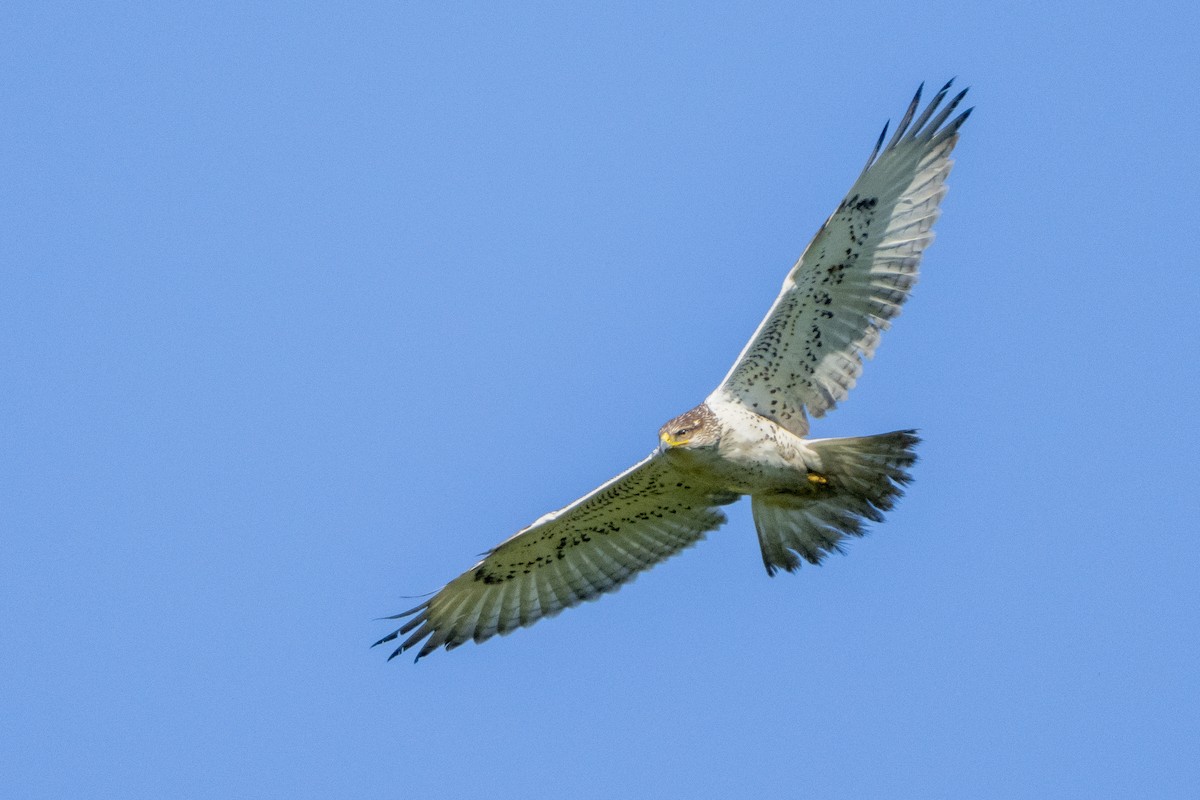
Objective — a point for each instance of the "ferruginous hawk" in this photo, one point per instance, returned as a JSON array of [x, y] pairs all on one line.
[[749, 437]]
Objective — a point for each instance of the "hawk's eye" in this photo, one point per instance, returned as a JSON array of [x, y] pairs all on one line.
[[683, 432]]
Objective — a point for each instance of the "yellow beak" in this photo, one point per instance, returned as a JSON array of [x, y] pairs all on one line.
[[670, 441]]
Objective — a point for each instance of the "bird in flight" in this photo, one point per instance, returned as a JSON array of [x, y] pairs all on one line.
[[750, 436]]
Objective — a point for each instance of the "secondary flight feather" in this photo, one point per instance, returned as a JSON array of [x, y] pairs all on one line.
[[749, 436]]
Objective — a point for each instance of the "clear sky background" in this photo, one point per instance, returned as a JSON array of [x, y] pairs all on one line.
[[302, 309]]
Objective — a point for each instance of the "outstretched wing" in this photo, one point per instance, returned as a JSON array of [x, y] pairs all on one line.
[[644, 515], [852, 278]]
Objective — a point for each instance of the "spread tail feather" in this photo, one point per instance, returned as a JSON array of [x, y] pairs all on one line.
[[857, 479]]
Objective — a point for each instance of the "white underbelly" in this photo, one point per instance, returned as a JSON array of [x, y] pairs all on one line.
[[753, 467]]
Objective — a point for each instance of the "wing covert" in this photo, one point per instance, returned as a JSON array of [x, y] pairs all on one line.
[[853, 277], [593, 546]]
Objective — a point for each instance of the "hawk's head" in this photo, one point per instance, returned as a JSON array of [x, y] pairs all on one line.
[[695, 428]]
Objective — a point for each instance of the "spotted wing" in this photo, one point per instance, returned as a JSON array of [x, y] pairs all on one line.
[[852, 278], [577, 553]]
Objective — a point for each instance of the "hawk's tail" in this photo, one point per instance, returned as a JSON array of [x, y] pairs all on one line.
[[858, 479]]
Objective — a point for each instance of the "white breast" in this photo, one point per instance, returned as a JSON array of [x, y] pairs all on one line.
[[755, 454]]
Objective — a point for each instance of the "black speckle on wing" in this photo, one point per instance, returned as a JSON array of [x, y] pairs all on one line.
[[853, 278], [591, 547]]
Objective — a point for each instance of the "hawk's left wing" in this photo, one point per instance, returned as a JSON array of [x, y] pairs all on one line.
[[852, 279], [601, 541]]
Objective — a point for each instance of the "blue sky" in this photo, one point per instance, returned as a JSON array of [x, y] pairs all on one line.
[[304, 308]]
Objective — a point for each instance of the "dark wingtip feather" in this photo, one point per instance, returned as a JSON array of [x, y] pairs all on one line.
[[878, 146], [919, 125], [387, 638], [908, 115], [935, 125], [960, 119], [403, 614], [916, 101], [421, 612]]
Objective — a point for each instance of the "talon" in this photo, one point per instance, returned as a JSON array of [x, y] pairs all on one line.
[[817, 479]]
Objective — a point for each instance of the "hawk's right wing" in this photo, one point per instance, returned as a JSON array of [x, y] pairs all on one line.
[[601, 541], [852, 279]]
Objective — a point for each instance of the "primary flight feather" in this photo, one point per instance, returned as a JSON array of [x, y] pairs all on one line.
[[748, 436]]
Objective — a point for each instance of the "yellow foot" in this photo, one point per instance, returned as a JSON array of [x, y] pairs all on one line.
[[817, 479]]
